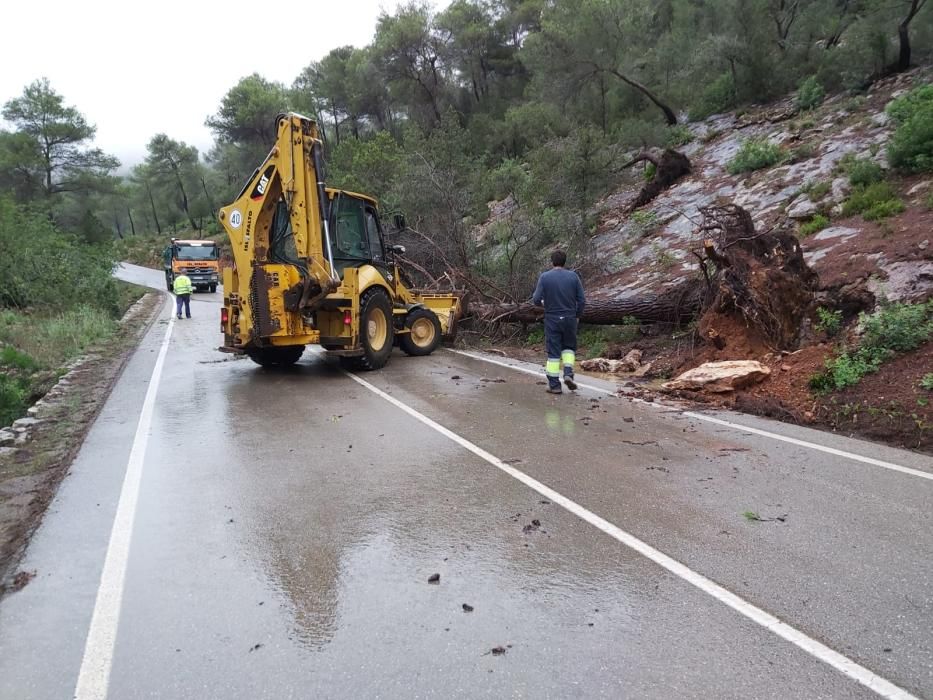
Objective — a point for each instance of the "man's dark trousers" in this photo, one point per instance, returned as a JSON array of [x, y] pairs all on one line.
[[179, 301], [560, 339]]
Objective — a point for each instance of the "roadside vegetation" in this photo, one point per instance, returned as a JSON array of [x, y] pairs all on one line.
[[57, 300], [892, 329]]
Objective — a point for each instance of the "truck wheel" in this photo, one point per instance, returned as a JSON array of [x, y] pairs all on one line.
[[424, 333], [377, 334], [284, 356], [213, 288]]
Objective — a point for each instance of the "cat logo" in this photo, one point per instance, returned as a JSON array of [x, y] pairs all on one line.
[[260, 189]]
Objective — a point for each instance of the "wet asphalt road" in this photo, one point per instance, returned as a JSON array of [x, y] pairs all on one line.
[[287, 523]]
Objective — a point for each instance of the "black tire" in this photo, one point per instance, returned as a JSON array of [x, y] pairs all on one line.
[[284, 356], [351, 364], [424, 333], [375, 325], [213, 288]]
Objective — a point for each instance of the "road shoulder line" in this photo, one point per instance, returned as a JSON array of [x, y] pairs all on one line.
[[94, 675], [820, 651], [734, 426]]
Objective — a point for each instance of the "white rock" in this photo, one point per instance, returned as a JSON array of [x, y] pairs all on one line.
[[24, 423], [802, 208], [841, 189], [720, 377], [7, 437], [918, 188], [880, 119]]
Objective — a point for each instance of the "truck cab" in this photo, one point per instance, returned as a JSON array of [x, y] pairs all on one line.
[[198, 259]]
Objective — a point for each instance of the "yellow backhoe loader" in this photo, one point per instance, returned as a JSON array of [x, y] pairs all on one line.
[[311, 267]]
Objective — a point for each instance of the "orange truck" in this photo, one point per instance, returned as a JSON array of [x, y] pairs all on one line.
[[198, 259]]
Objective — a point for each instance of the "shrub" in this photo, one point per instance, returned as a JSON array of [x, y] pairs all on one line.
[[911, 147], [679, 135], [927, 381], [817, 223], [810, 94], [863, 172], [717, 97], [893, 328], [755, 154], [13, 396], [828, 322], [876, 201]]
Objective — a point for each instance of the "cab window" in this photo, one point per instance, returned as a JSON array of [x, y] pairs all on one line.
[[350, 238], [374, 235]]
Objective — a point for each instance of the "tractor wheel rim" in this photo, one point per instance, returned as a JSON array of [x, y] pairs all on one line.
[[422, 332], [377, 330]]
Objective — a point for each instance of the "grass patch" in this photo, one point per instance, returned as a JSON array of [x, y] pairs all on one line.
[[817, 223], [893, 329], [597, 339], [876, 201], [755, 154]]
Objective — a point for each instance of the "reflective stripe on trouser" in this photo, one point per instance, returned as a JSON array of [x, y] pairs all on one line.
[[552, 368], [568, 358]]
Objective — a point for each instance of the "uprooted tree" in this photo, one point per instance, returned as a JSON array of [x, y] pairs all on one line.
[[759, 277]]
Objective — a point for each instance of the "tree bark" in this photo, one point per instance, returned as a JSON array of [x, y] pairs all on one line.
[[155, 216], [903, 35], [668, 112], [129, 215], [677, 305]]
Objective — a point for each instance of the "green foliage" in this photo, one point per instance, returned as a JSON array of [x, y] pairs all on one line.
[[810, 94], [863, 172], [892, 329], [372, 165], [41, 267], [911, 147], [828, 322], [679, 135], [927, 381], [11, 357], [755, 154], [13, 398], [718, 96], [535, 336], [814, 225], [874, 202]]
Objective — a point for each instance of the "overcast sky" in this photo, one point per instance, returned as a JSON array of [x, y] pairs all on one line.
[[135, 69]]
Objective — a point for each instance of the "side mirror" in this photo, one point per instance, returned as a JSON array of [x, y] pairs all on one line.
[[399, 221], [397, 249]]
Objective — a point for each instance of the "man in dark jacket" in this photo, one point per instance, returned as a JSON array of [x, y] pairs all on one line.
[[561, 292]]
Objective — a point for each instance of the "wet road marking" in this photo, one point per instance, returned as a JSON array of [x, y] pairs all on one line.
[[734, 426], [843, 664], [94, 676]]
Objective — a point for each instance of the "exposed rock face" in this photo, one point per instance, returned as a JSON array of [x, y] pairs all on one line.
[[720, 377]]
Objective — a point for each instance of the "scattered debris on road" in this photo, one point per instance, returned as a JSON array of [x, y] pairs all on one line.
[[434, 578], [467, 607]]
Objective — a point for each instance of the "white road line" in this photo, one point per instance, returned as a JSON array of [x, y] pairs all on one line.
[[848, 667], [94, 676], [813, 446], [734, 426]]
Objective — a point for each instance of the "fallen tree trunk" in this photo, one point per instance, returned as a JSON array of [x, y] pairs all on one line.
[[677, 305]]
